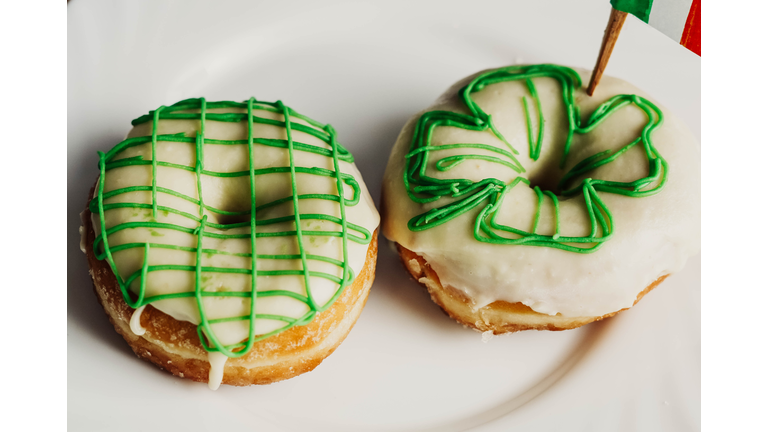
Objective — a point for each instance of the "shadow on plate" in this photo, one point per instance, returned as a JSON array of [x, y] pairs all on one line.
[[82, 307], [407, 298]]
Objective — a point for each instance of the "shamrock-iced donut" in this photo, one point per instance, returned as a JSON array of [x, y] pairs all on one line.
[[231, 242], [522, 203]]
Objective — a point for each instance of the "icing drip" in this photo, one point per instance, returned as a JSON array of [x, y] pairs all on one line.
[[135, 323], [216, 373], [81, 230], [247, 227], [468, 194]]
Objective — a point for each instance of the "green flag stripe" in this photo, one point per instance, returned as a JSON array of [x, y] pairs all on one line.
[[638, 8]]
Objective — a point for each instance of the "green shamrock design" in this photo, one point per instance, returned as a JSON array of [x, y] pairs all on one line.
[[490, 192]]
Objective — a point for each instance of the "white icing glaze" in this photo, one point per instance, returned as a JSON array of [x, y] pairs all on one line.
[[232, 194], [653, 235], [216, 373], [135, 323]]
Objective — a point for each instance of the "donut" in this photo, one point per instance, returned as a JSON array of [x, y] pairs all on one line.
[[230, 242], [521, 203]]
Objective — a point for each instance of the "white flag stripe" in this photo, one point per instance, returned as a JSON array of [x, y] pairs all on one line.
[[669, 16]]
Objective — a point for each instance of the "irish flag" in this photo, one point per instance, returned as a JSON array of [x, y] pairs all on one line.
[[678, 19]]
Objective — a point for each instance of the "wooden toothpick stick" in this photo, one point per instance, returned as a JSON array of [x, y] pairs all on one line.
[[609, 40]]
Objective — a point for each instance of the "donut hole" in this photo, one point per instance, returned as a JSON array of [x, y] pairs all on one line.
[[546, 177], [232, 219]]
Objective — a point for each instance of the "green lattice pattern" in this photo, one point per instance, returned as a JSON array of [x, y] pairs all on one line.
[[469, 194], [347, 230]]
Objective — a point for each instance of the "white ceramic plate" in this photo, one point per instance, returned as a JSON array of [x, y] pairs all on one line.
[[365, 67]]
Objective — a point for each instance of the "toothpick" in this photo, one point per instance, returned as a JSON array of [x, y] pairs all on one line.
[[609, 40]]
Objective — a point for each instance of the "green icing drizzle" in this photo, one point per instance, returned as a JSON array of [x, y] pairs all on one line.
[[336, 152], [468, 194]]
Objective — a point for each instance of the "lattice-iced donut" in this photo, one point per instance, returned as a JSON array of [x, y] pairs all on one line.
[[229, 245]]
